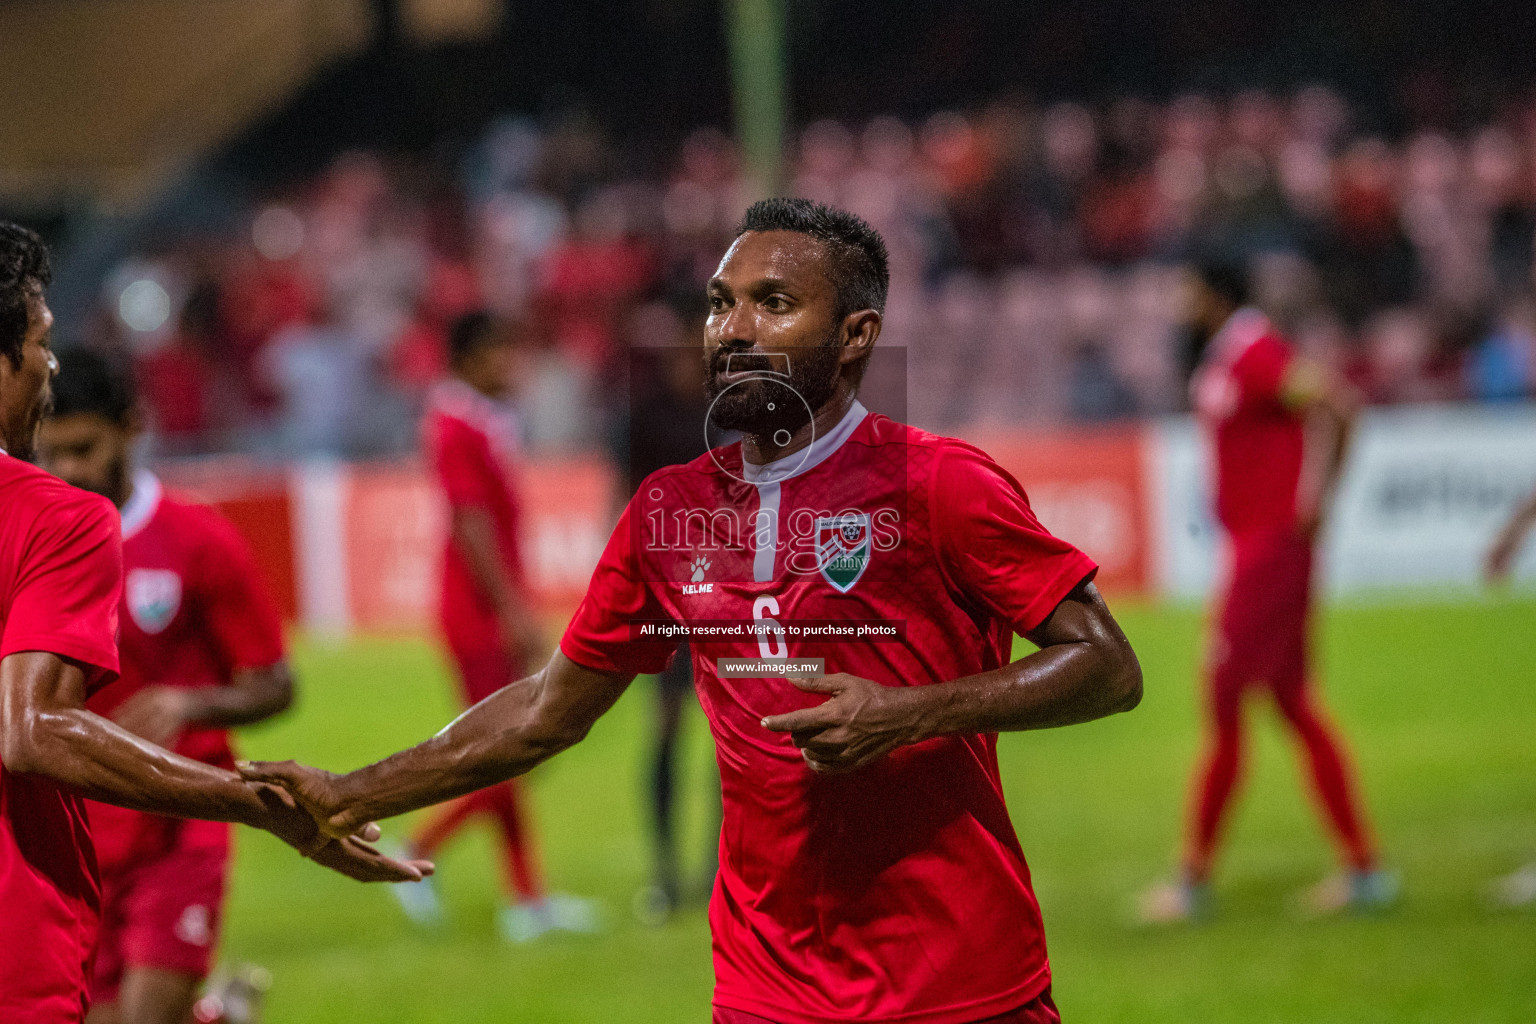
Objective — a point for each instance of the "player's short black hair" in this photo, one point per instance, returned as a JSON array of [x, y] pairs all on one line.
[[90, 384], [859, 263], [24, 271], [470, 331], [1227, 278]]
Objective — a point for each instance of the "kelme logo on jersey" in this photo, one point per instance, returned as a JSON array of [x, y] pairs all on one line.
[[843, 548], [154, 596]]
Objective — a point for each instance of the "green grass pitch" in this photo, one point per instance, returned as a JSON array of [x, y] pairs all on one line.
[[1438, 702]]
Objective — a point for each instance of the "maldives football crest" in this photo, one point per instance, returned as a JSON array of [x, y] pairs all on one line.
[[843, 548], [154, 596]]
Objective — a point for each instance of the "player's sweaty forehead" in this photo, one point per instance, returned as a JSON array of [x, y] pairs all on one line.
[[759, 262]]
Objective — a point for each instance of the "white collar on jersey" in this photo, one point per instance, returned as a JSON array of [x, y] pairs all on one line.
[[142, 503], [807, 459], [1242, 329], [457, 398]]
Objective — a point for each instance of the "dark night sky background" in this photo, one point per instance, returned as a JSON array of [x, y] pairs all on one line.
[[652, 69]]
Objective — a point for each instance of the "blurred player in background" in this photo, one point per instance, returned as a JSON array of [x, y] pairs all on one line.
[[470, 436], [201, 648], [1280, 428], [61, 576], [667, 413], [868, 867], [1519, 888]]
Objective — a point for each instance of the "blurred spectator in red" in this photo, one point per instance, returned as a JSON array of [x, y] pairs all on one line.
[[176, 375], [1401, 360], [591, 278], [418, 358], [263, 294]]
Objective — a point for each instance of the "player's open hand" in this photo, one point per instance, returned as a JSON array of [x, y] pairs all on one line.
[[350, 855], [314, 790], [361, 862], [860, 722]]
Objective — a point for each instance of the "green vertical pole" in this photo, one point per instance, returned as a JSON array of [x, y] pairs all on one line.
[[758, 76]]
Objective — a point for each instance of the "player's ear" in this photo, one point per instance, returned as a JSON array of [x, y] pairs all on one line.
[[860, 329]]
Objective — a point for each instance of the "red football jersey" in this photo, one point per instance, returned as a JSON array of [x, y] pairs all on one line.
[[471, 444], [60, 576], [1258, 438], [897, 892], [194, 610]]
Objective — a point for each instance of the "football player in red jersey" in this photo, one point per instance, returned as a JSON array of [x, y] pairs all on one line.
[[60, 583], [201, 649], [868, 867], [470, 438], [1274, 478]]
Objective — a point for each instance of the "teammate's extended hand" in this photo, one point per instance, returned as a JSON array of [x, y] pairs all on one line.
[[349, 855], [861, 721], [315, 791]]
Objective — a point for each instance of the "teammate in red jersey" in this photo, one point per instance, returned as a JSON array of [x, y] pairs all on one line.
[[60, 580], [201, 649], [470, 436], [868, 867], [1274, 480]]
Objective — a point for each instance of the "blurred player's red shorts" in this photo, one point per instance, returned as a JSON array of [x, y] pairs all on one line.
[[163, 911], [1261, 632], [483, 672], [1040, 1010]]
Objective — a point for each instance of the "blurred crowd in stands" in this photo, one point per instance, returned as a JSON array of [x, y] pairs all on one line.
[[1036, 255]]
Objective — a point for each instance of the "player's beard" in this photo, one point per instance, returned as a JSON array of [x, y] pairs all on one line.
[[24, 446], [744, 406]]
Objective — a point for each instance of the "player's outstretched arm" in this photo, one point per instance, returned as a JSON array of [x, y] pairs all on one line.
[[45, 730], [474, 535], [1085, 669], [503, 736]]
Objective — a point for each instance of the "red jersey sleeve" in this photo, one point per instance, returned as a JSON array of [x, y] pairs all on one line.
[[991, 547], [599, 635], [1260, 371], [461, 460], [68, 588], [239, 613]]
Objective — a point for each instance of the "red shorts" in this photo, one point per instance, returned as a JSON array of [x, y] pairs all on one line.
[[1261, 630], [164, 911], [1039, 1010]]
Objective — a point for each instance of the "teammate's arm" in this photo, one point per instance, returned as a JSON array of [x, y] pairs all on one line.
[[1085, 669], [505, 735], [1330, 409], [46, 730], [1501, 557], [474, 535], [158, 713]]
